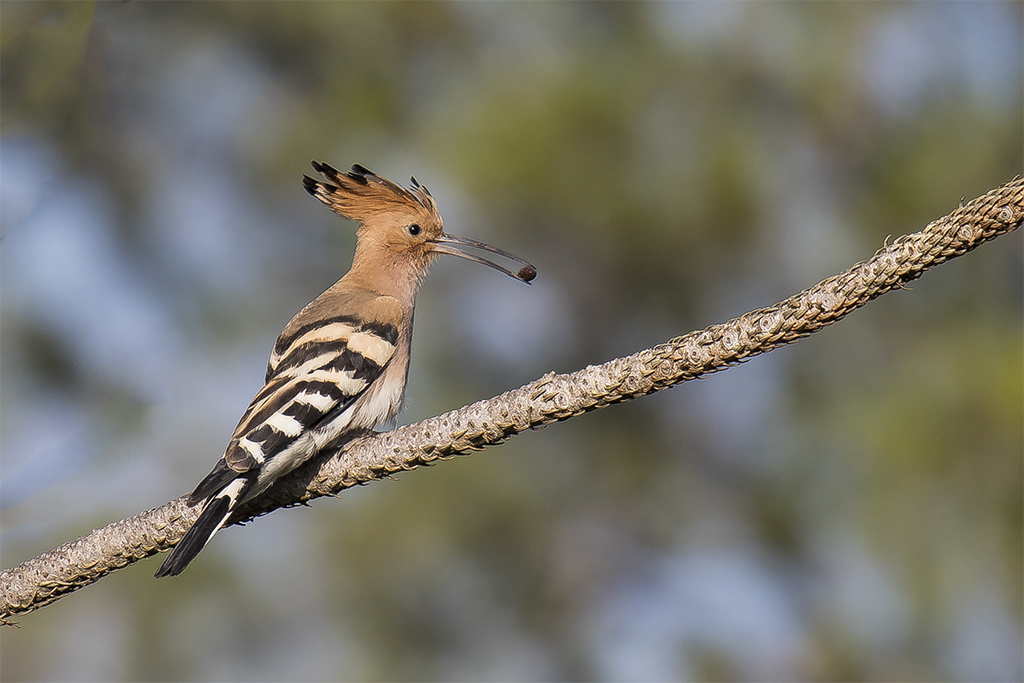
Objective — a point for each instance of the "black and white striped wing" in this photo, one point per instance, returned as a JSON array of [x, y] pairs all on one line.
[[315, 375]]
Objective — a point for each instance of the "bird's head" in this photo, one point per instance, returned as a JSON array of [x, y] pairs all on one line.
[[398, 227]]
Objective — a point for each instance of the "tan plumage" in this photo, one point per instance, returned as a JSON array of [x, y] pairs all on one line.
[[340, 364]]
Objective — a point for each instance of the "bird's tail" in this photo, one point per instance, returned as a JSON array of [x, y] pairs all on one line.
[[216, 511]]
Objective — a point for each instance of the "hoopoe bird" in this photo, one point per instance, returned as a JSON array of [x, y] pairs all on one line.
[[341, 364]]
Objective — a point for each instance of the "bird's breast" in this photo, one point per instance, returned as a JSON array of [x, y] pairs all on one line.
[[383, 398]]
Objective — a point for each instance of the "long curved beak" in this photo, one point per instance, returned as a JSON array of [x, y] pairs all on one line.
[[456, 246]]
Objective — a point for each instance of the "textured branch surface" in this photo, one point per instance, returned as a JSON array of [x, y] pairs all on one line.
[[552, 398]]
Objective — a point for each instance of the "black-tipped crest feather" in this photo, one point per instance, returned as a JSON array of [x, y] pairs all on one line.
[[311, 185], [361, 193], [360, 172]]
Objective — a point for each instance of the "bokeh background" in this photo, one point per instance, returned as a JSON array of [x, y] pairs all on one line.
[[849, 508]]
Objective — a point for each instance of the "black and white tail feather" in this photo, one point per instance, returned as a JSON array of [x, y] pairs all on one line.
[[215, 513]]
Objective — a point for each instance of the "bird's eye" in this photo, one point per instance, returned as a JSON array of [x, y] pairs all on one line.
[[414, 229]]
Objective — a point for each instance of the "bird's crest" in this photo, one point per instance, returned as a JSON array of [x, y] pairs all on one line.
[[361, 194]]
